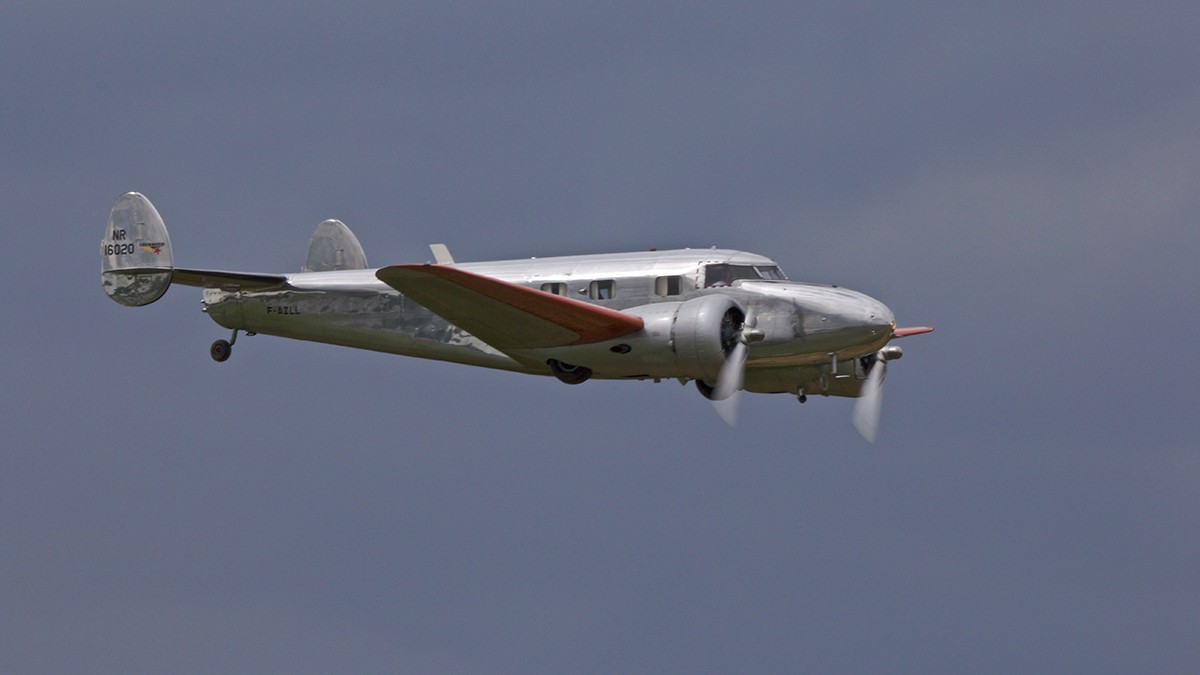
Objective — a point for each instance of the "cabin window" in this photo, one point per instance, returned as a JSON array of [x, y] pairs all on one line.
[[668, 285], [604, 289], [555, 288]]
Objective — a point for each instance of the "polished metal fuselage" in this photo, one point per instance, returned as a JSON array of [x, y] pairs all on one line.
[[803, 336]]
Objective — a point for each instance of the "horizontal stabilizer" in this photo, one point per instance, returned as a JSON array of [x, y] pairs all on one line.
[[136, 267], [504, 315], [229, 281]]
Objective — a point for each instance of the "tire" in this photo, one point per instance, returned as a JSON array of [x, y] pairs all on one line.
[[220, 350], [569, 374]]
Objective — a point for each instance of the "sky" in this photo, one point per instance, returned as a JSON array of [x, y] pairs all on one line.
[[1021, 176]]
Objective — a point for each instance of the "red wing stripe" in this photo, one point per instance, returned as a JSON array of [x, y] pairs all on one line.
[[591, 322]]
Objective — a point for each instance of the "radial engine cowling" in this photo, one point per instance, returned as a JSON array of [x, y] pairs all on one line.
[[679, 339], [703, 333]]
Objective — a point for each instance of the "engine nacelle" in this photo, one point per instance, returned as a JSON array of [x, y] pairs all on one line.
[[679, 339], [704, 331]]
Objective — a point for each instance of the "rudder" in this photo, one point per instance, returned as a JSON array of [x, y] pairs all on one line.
[[334, 247], [135, 253]]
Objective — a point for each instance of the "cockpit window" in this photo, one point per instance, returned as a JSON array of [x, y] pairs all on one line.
[[771, 272], [725, 275]]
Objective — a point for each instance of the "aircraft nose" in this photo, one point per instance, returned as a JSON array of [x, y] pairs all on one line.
[[875, 317], [878, 313]]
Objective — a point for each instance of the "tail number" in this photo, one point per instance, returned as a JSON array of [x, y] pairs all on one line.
[[118, 249]]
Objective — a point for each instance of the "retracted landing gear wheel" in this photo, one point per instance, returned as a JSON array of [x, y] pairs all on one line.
[[220, 350], [705, 389], [568, 373]]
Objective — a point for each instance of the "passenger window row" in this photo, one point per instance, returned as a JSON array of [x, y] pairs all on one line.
[[606, 289]]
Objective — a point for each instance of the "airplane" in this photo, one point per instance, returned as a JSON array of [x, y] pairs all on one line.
[[724, 319]]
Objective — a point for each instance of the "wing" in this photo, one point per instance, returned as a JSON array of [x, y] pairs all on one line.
[[504, 315]]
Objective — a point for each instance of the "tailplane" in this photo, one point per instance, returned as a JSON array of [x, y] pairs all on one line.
[[135, 253]]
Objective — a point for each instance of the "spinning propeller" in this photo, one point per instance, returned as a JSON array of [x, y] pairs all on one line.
[[870, 399], [867, 408], [729, 383], [733, 371]]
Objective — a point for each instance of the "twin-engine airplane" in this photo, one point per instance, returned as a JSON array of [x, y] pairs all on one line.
[[726, 320]]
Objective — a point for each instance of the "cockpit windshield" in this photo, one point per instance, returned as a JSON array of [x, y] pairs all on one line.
[[725, 275], [771, 272]]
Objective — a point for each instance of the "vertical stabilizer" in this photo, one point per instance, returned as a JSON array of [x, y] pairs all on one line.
[[334, 247], [135, 253]]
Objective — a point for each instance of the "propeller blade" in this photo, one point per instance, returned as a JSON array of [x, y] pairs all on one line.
[[870, 402], [729, 383]]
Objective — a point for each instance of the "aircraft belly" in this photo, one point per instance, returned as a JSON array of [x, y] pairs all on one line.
[[383, 322], [814, 380]]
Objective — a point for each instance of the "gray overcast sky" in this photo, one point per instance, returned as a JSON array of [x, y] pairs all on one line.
[[1022, 176]]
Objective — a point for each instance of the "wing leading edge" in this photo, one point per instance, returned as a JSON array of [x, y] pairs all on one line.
[[505, 315]]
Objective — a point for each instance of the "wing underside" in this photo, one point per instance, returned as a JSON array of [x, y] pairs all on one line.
[[505, 315]]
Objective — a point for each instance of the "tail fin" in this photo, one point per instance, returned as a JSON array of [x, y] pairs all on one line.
[[135, 253], [334, 247]]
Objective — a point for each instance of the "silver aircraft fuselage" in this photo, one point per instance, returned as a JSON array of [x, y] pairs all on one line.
[[805, 336], [724, 319]]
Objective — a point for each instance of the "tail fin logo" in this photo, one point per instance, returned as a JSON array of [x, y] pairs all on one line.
[[153, 247]]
